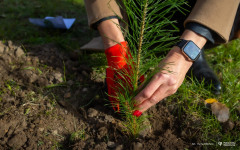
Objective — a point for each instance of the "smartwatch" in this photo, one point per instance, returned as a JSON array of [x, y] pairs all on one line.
[[189, 49]]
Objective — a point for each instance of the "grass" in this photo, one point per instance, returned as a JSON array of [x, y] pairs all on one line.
[[15, 26], [78, 135], [225, 60]]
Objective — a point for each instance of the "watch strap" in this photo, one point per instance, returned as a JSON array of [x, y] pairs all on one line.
[[181, 43]]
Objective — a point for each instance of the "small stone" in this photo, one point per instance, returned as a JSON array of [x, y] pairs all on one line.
[[147, 130], [101, 146], [103, 131], [119, 147], [74, 68], [17, 141], [7, 59], [1, 43], [41, 129], [237, 125], [238, 109], [22, 94], [230, 60], [85, 67], [19, 52], [32, 126], [55, 132], [69, 63], [42, 82], [49, 105], [6, 49], [35, 61], [1, 49], [33, 78], [74, 55], [168, 118], [92, 112], [27, 73], [67, 95], [86, 136], [70, 82], [63, 103], [24, 124], [10, 43], [137, 146], [183, 134], [84, 89], [108, 118], [50, 77], [58, 76], [40, 121], [111, 144], [66, 112], [10, 99], [85, 73], [91, 142], [229, 125]]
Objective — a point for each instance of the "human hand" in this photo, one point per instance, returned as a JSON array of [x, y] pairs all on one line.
[[170, 77], [165, 82]]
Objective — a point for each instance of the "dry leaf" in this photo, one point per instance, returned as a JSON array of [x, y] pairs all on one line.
[[221, 111], [210, 101]]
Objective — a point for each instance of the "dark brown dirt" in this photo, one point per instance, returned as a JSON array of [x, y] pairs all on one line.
[[48, 100]]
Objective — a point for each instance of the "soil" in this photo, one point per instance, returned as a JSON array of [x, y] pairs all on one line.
[[49, 100]]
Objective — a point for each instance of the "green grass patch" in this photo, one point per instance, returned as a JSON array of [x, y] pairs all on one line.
[[225, 60], [15, 26]]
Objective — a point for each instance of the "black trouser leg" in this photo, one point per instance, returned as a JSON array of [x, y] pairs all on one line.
[[203, 72]]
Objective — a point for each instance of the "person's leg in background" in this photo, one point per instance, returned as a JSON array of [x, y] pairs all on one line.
[[235, 33], [201, 70]]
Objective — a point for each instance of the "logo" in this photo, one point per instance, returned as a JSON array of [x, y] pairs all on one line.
[[229, 144], [220, 143]]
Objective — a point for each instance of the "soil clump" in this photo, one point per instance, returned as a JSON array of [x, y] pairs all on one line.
[[49, 100]]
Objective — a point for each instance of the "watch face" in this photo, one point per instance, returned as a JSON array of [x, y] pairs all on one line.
[[191, 50]]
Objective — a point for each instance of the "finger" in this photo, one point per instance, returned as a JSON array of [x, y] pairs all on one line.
[[147, 92], [160, 93]]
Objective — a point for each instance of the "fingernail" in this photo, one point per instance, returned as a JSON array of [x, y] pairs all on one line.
[[137, 113]]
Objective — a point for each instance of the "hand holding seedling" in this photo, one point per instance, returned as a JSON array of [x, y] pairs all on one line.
[[169, 79]]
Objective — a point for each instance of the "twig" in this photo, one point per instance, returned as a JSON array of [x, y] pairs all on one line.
[[28, 103], [141, 40]]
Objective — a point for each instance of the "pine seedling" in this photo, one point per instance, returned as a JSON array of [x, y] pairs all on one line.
[[150, 32]]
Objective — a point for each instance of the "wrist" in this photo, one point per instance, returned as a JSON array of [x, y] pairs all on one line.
[[178, 55], [199, 40], [110, 32], [175, 61], [189, 54]]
